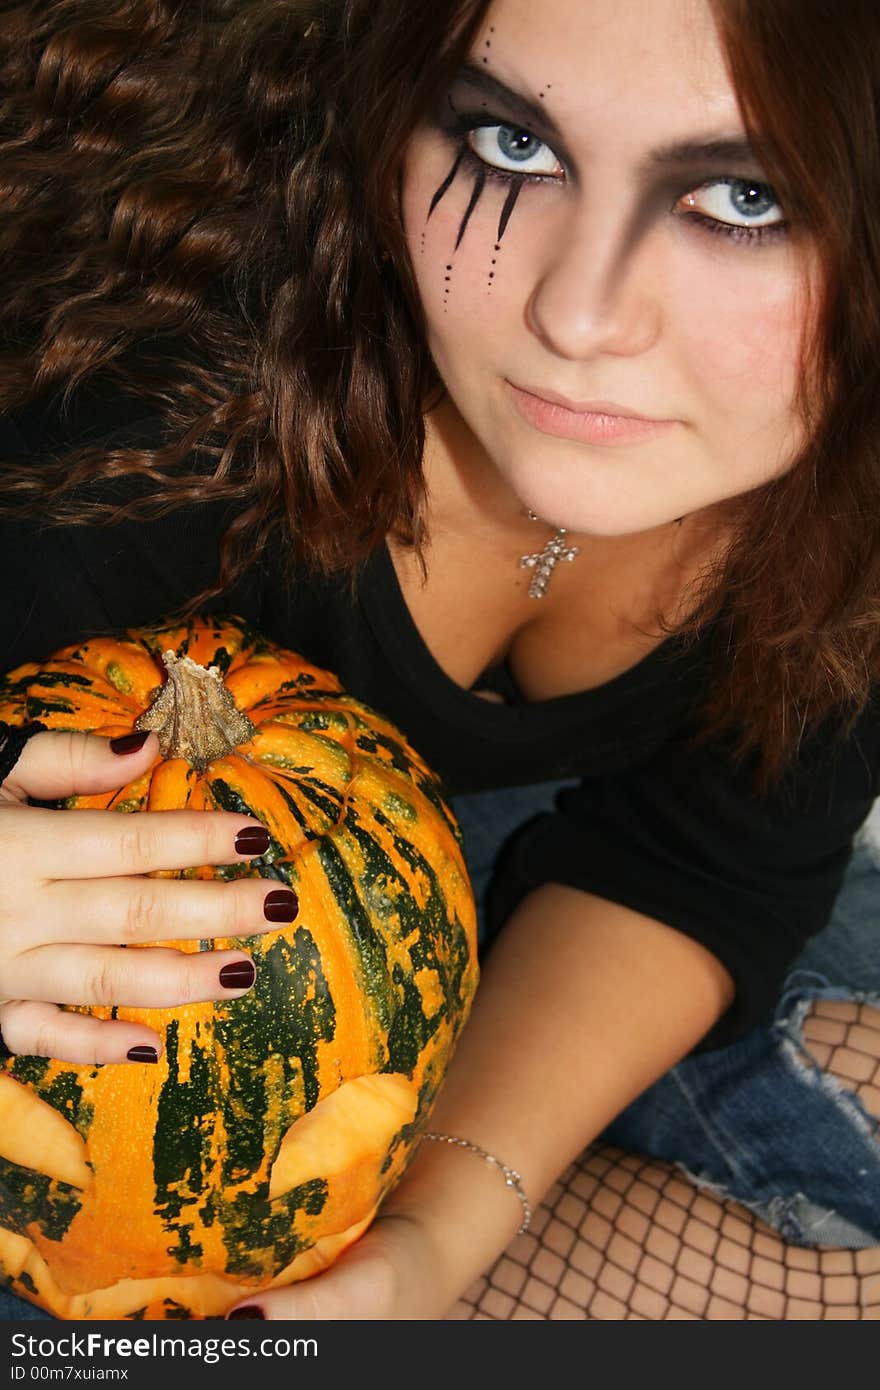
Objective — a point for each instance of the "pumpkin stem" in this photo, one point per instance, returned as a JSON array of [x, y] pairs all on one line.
[[194, 715]]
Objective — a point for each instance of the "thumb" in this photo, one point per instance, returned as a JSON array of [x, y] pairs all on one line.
[[360, 1285], [60, 764], [386, 1274]]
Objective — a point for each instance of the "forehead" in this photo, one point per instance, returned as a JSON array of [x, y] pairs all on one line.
[[600, 65]]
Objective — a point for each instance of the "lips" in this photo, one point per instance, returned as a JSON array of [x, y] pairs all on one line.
[[589, 422]]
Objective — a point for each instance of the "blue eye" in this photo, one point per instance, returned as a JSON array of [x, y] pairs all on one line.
[[512, 149], [737, 203]]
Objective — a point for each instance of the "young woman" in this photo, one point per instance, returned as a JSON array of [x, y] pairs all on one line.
[[520, 364]]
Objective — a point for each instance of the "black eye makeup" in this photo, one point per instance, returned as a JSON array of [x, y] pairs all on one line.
[[447, 182], [745, 210], [496, 148], [484, 142], [504, 149]]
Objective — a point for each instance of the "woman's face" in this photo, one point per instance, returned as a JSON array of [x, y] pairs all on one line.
[[613, 298]]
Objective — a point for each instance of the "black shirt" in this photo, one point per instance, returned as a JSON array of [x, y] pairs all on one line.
[[671, 832]]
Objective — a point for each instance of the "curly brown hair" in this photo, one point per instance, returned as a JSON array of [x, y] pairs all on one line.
[[200, 212], [205, 213]]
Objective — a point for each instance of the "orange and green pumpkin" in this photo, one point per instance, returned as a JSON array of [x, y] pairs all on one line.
[[262, 1143]]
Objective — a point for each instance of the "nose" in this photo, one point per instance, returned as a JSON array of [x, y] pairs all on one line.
[[599, 290]]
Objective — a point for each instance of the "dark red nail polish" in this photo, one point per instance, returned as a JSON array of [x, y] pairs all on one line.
[[142, 1054], [128, 743], [248, 1311], [240, 975], [281, 905], [253, 840]]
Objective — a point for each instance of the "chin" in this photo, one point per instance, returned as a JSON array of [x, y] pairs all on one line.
[[602, 520]]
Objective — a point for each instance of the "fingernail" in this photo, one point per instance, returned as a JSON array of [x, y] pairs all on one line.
[[281, 905], [142, 1054], [249, 1310], [253, 840], [240, 975], [129, 743]]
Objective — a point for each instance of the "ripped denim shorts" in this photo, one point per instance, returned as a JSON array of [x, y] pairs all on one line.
[[758, 1122]]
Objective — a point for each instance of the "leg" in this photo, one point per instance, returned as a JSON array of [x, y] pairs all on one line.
[[624, 1236], [760, 1220]]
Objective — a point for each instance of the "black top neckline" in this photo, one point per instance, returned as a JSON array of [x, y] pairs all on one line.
[[388, 613]]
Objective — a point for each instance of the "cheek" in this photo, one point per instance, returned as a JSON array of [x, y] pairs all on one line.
[[461, 249], [741, 338]]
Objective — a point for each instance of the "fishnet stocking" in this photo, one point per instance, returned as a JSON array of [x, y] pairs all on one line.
[[621, 1236]]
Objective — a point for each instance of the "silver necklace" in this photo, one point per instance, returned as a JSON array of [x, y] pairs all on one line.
[[544, 562]]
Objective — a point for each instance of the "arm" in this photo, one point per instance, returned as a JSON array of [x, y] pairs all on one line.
[[582, 1005], [587, 998]]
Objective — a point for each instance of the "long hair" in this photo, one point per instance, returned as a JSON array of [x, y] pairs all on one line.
[[202, 210], [798, 645]]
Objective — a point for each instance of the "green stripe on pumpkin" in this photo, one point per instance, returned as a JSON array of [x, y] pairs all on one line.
[[183, 1135], [330, 813], [30, 1198], [432, 788], [284, 1017], [63, 1092], [115, 674], [409, 1028], [226, 798], [222, 659], [38, 709], [442, 943], [369, 946], [261, 1235]]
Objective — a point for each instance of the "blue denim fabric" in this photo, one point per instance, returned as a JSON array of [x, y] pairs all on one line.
[[14, 1309], [759, 1121]]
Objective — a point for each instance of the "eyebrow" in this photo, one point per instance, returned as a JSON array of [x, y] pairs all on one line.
[[712, 151], [734, 150], [532, 112]]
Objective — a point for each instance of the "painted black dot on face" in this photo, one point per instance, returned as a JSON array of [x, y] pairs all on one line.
[[509, 205], [447, 285]]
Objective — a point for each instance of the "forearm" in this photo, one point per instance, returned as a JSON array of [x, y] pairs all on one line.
[[582, 1005]]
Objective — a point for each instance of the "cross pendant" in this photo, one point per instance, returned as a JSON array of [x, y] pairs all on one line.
[[545, 561]]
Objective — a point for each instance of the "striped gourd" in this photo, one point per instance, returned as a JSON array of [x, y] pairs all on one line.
[[262, 1143]]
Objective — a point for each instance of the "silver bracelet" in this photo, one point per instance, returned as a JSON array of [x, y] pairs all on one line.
[[511, 1177]]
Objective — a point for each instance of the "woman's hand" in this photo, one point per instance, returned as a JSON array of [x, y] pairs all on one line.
[[389, 1274], [582, 1004], [73, 895]]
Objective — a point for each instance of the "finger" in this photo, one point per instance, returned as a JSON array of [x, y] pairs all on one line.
[[98, 844], [361, 1285], [56, 764], [30, 1029], [153, 978], [116, 911]]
